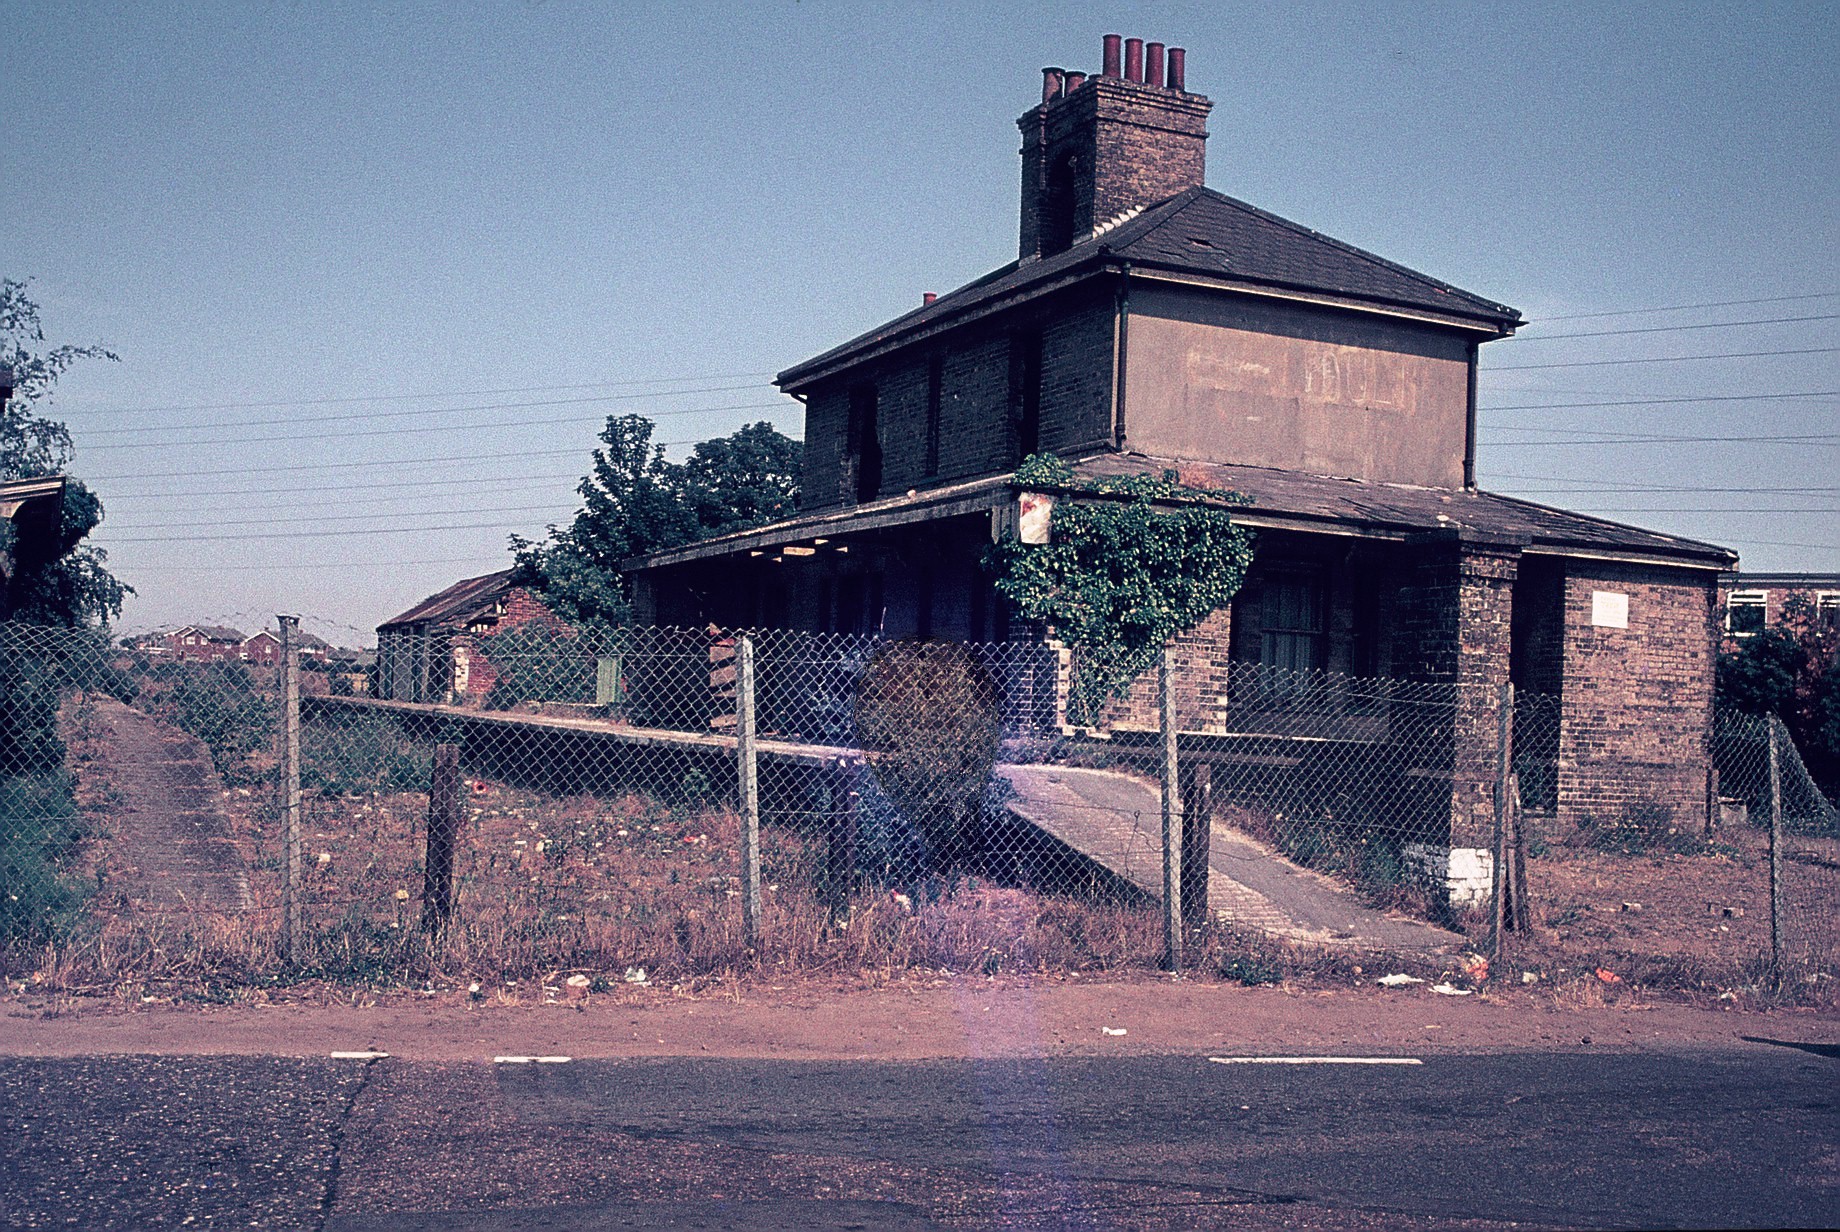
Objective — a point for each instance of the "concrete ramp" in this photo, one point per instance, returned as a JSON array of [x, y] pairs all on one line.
[[1115, 821]]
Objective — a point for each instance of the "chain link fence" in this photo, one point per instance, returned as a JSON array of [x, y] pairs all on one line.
[[675, 802]]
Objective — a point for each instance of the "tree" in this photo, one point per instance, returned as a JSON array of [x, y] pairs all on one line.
[[635, 500], [58, 579], [1792, 669]]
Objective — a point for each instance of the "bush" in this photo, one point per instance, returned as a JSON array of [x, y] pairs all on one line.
[[1646, 827], [39, 825], [361, 755], [929, 713], [537, 663]]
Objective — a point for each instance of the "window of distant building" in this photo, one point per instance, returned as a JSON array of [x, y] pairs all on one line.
[[1827, 611], [1744, 612]]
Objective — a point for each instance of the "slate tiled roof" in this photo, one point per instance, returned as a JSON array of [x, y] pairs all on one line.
[[1209, 234], [1314, 499], [218, 633], [457, 604]]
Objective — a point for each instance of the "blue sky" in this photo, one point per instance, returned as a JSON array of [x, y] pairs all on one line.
[[298, 222]]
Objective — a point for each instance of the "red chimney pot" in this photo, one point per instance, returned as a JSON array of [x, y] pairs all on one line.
[[1109, 68], [1050, 84], [1134, 59], [1075, 80], [927, 297], [1153, 64], [1178, 63]]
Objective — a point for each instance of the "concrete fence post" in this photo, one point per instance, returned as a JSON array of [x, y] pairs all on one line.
[[1776, 851], [290, 786], [1498, 850], [749, 773], [1172, 819]]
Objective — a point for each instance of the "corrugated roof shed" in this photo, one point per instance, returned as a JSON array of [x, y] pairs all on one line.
[[459, 604]]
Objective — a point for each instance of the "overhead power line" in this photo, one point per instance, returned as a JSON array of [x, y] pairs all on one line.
[[1612, 438], [320, 466], [1568, 406], [425, 428], [448, 393], [291, 420], [1723, 303], [1662, 359], [1672, 329], [306, 534], [318, 519]]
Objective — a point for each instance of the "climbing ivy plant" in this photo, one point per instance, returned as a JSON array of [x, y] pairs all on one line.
[[1121, 576]]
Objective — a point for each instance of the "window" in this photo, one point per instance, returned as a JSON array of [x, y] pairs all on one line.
[[1827, 611], [1292, 628], [935, 389], [863, 445], [1024, 394], [1744, 612]]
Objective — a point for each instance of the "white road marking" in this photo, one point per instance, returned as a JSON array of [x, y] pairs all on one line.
[[359, 1056], [1316, 1060], [531, 1060]]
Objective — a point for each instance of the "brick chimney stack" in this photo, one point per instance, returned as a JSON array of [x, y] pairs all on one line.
[[1098, 146]]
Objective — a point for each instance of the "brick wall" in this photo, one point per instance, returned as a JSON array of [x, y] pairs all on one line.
[[1127, 145], [1637, 703], [1201, 661], [976, 412]]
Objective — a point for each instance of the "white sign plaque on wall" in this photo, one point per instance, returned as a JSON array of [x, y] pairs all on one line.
[[1610, 609]]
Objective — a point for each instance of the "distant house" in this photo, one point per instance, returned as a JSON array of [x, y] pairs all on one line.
[[264, 649], [30, 512], [205, 643], [1752, 602], [437, 650]]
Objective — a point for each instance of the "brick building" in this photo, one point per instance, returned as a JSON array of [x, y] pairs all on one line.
[[1152, 324], [264, 649], [1752, 602], [205, 643], [440, 649]]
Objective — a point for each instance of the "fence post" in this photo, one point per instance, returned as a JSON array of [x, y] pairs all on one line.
[[1172, 820], [1498, 855], [290, 785], [840, 849], [749, 772], [1197, 796], [1776, 853], [443, 825]]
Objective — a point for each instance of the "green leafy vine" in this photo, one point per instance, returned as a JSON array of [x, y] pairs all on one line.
[[1123, 574]]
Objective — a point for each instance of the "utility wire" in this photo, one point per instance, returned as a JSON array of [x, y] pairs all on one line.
[[1568, 406], [307, 534], [317, 466], [292, 420], [1663, 359], [360, 517], [451, 393], [1608, 438], [425, 428], [1672, 329], [1724, 303]]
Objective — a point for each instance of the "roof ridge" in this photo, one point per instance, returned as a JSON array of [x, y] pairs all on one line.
[[1354, 250]]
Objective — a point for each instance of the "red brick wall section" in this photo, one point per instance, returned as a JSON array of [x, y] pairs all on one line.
[[1200, 660], [1637, 705]]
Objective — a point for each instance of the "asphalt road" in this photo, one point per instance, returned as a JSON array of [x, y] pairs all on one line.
[[1737, 1137]]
